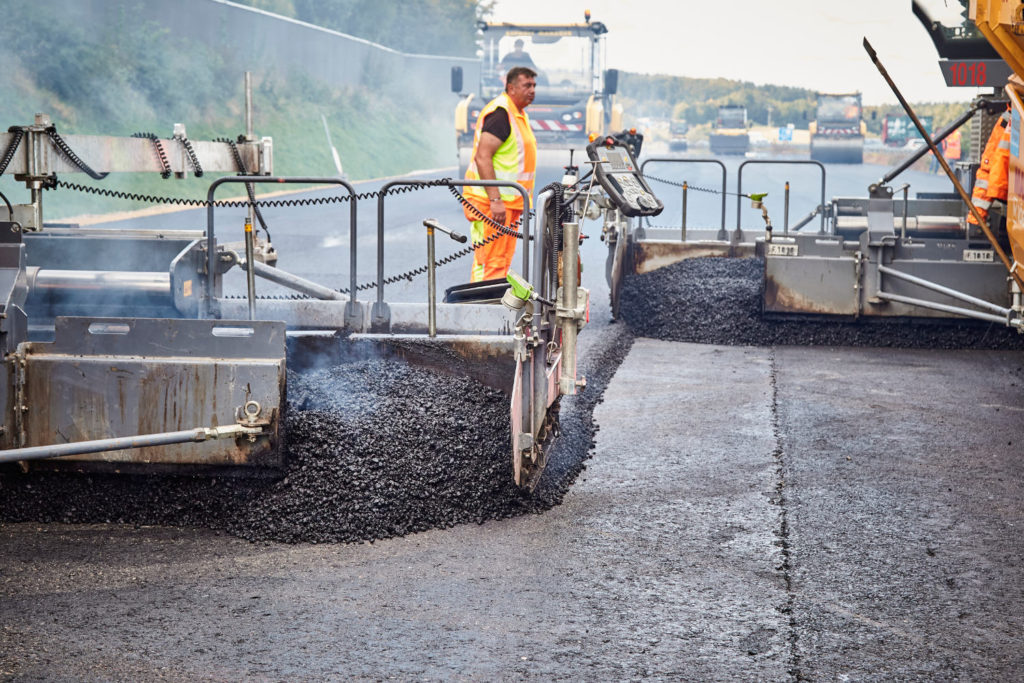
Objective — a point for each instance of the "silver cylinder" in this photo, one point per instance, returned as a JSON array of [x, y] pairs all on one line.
[[570, 278], [431, 286], [295, 282], [106, 281]]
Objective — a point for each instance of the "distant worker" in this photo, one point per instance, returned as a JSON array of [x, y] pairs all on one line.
[[950, 150], [992, 180], [951, 146], [504, 148], [518, 57]]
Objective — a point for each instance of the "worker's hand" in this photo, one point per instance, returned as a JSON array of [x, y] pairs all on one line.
[[498, 211]]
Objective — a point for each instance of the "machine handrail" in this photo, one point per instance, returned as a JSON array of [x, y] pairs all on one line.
[[678, 160], [211, 252], [804, 162], [448, 183]]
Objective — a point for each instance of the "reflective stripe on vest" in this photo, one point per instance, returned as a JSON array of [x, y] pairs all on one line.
[[515, 160]]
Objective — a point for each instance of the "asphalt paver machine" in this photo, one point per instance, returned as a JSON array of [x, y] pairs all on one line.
[[888, 255], [124, 352]]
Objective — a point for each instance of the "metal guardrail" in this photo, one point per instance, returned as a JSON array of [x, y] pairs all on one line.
[[379, 314], [211, 250], [791, 162], [676, 160]]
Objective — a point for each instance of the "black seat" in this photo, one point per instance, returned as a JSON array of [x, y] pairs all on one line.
[[483, 292]]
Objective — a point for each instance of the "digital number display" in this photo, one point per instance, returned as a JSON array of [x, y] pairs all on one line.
[[976, 73], [968, 73]]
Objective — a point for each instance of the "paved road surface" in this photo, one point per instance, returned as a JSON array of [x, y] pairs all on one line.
[[748, 514]]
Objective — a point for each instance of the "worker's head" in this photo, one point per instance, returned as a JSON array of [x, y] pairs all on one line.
[[518, 44], [521, 85]]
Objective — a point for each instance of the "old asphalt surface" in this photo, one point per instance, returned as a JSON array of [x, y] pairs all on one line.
[[747, 512]]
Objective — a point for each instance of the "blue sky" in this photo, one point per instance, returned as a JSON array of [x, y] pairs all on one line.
[[815, 44]]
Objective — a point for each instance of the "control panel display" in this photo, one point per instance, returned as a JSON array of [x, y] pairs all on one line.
[[617, 173]]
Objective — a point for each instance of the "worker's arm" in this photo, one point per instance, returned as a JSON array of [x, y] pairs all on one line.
[[484, 160]]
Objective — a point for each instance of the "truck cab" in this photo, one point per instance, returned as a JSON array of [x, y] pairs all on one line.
[[574, 96]]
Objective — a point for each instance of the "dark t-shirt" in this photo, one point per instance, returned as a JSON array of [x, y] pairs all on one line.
[[496, 123]]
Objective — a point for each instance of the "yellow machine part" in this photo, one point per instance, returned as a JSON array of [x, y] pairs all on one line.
[[812, 127], [1002, 23], [617, 117], [462, 115], [595, 116]]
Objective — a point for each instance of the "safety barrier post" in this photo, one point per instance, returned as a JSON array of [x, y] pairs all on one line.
[[685, 188], [785, 218]]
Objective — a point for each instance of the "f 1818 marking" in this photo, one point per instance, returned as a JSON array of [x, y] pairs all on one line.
[[979, 255], [782, 250]]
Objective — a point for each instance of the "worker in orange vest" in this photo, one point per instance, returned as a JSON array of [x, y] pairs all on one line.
[[992, 180], [951, 146], [504, 148]]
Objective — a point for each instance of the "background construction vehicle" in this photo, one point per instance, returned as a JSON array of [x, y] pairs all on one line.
[[574, 96], [729, 134], [898, 129], [677, 132], [837, 133]]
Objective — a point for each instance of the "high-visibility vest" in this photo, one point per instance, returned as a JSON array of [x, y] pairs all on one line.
[[516, 158], [992, 179], [951, 146]]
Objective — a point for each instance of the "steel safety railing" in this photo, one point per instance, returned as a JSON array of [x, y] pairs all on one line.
[[211, 250], [789, 162], [676, 160], [380, 315]]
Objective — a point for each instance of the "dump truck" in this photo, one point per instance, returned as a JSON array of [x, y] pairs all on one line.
[[729, 134], [574, 98], [837, 132]]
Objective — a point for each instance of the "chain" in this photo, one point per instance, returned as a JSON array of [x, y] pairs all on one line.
[[455, 256], [695, 188], [499, 229]]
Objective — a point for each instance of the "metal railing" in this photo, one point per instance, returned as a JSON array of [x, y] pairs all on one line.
[[803, 162], [675, 160], [211, 250], [380, 315]]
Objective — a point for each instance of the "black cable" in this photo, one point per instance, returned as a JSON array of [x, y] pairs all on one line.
[[59, 142], [249, 188], [10, 209], [19, 133], [161, 155], [193, 159]]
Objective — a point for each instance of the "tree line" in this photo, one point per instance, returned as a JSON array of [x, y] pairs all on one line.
[[696, 100]]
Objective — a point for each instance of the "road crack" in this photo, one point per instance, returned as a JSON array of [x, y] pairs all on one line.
[[780, 499]]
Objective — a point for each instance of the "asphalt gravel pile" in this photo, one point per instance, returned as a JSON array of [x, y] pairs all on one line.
[[718, 301], [376, 449]]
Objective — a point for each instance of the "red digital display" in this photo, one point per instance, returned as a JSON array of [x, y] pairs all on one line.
[[967, 73]]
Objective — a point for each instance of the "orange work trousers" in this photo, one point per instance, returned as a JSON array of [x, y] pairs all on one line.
[[493, 259]]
